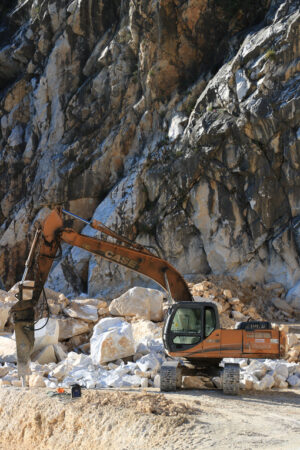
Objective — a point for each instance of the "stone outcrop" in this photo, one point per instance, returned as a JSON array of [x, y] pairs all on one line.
[[176, 123]]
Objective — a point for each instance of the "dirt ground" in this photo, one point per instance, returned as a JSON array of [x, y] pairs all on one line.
[[110, 419]]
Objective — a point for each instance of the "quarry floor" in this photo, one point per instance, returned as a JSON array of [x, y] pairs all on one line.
[[146, 419]]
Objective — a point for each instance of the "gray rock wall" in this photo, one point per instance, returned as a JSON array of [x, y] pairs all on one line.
[[176, 123]]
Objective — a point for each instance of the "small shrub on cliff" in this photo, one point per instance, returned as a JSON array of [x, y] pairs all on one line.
[[271, 54]]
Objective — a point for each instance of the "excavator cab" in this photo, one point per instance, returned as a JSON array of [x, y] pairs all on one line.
[[189, 323]]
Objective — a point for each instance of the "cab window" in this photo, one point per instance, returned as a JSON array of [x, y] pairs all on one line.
[[187, 326], [210, 321]]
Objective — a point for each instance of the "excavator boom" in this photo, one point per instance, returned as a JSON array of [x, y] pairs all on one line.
[[146, 264]]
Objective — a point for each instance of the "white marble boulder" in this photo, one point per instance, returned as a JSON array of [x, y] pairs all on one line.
[[8, 352], [46, 335], [140, 302], [112, 339], [82, 310]]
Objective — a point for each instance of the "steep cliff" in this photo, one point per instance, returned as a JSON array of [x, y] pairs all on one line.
[[175, 122]]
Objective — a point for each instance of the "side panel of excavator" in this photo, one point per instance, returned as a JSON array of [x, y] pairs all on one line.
[[236, 344]]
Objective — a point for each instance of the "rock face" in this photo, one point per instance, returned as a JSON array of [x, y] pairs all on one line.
[[293, 297], [176, 123]]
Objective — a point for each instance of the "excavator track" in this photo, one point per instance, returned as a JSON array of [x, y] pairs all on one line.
[[170, 376], [231, 379]]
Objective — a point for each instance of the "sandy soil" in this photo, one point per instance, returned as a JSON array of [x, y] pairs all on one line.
[[149, 420]]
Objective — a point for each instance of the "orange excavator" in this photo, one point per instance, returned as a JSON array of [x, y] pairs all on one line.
[[191, 332]]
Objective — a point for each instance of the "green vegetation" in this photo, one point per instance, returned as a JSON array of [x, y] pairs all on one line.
[[179, 153], [271, 54], [135, 77], [191, 105], [35, 10], [164, 141]]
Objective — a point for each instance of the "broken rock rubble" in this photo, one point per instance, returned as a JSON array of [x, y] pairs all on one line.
[[126, 351], [265, 374], [113, 338], [79, 368], [239, 300]]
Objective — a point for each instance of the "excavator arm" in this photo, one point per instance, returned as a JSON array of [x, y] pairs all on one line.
[[131, 255], [149, 265], [42, 254]]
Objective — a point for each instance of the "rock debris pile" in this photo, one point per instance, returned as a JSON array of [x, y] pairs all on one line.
[[87, 341], [100, 345], [265, 374], [240, 301]]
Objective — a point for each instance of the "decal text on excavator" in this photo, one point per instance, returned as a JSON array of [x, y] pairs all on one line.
[[122, 260], [130, 263]]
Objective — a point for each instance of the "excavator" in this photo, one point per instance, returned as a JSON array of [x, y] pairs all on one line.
[[192, 336]]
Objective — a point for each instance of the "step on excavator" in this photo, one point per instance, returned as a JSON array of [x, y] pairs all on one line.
[[192, 336]]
